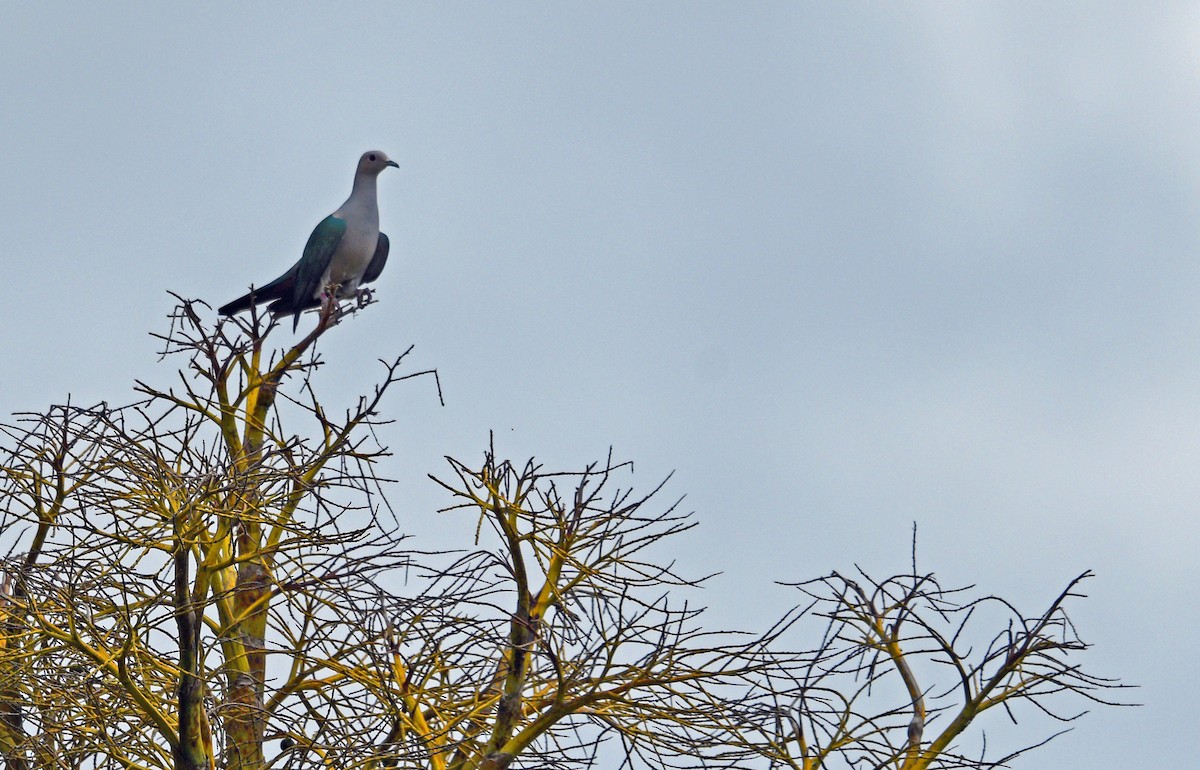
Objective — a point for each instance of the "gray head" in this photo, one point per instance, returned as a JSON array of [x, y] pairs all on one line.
[[374, 161]]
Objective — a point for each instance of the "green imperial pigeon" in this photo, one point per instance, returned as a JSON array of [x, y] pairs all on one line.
[[344, 252]]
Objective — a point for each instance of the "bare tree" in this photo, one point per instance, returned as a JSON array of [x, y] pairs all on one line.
[[904, 667], [169, 541], [215, 566]]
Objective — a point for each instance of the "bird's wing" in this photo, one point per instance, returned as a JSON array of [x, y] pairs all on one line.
[[318, 253], [377, 261]]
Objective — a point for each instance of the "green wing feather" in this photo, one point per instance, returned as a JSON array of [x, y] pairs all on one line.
[[318, 253]]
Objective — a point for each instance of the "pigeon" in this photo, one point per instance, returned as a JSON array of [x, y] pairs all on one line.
[[345, 251]]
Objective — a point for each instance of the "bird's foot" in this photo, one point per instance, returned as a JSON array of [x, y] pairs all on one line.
[[363, 297], [330, 311]]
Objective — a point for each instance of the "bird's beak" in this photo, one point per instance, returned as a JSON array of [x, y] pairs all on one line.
[[393, 164]]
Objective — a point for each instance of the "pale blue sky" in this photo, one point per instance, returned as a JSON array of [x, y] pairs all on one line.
[[842, 266]]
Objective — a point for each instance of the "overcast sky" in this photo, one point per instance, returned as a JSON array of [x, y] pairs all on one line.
[[841, 266]]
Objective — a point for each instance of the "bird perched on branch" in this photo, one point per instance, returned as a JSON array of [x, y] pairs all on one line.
[[345, 251]]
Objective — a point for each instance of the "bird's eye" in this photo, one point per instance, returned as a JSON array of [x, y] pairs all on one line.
[[371, 157]]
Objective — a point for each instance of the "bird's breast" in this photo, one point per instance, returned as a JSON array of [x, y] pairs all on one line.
[[354, 253]]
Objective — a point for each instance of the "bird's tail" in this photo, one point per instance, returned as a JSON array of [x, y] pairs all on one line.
[[278, 289]]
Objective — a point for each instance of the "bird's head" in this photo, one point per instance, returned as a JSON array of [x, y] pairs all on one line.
[[374, 161]]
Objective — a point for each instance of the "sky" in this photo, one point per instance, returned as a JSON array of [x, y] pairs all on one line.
[[841, 267]]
